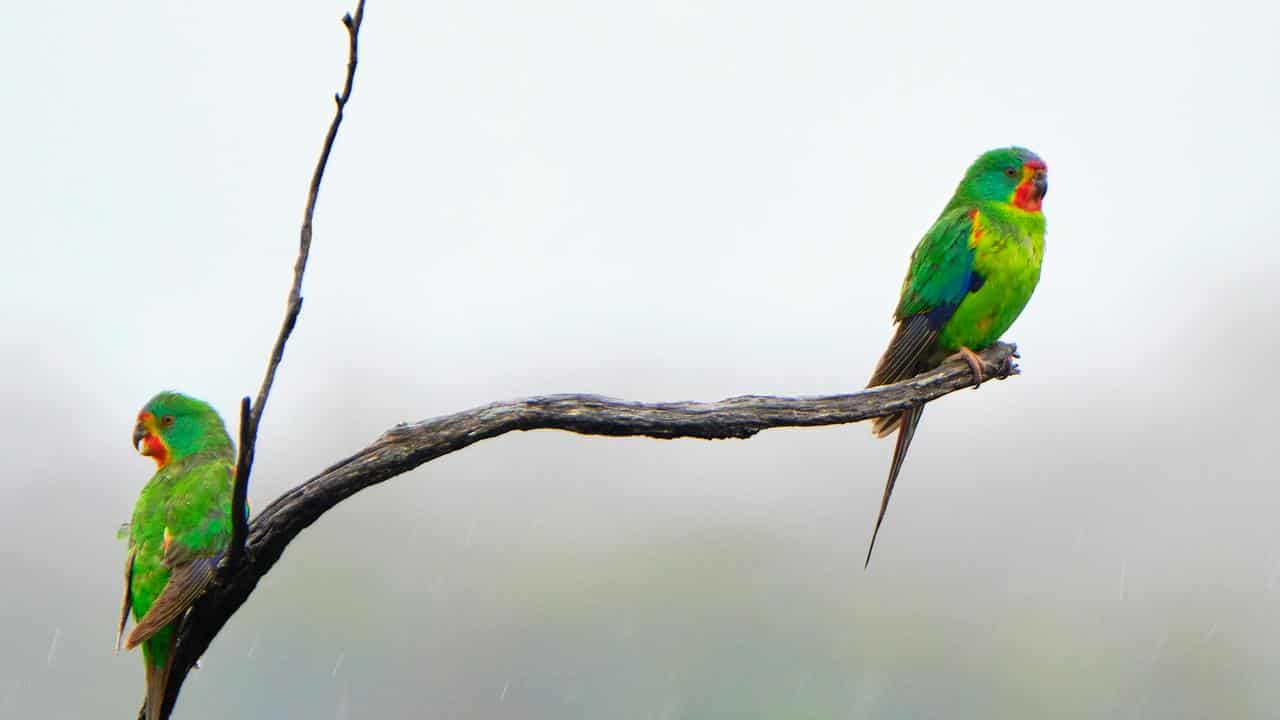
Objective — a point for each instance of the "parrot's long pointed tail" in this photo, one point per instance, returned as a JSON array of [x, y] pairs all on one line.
[[158, 681], [906, 424]]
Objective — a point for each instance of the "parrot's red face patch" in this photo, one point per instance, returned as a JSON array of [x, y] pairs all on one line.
[[146, 440], [154, 448], [1032, 188]]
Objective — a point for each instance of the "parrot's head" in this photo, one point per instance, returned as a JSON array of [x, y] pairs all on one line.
[[1014, 176], [173, 426]]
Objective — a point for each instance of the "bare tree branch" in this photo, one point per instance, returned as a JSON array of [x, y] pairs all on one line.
[[408, 446], [240, 488], [249, 429]]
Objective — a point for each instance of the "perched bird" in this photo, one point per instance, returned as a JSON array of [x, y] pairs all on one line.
[[181, 525], [969, 278]]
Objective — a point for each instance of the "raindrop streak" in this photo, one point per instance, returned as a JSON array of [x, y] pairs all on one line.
[[338, 664], [53, 646], [1124, 577], [253, 646], [503, 696]]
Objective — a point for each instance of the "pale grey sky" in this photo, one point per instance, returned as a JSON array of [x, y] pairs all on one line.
[[659, 200]]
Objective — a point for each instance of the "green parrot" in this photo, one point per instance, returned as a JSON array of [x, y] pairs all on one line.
[[181, 525], [970, 277]]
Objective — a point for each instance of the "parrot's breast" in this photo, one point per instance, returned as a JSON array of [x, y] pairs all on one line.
[[1007, 258]]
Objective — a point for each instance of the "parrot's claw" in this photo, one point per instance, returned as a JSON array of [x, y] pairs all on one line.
[[1007, 367], [974, 362]]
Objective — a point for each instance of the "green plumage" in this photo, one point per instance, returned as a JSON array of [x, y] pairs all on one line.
[[181, 525], [969, 279]]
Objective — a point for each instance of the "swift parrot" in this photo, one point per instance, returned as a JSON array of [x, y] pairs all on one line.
[[970, 276], [181, 526]]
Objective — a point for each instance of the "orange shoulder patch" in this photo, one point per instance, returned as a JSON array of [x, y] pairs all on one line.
[[975, 235]]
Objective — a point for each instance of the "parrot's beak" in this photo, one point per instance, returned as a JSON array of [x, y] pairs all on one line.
[[147, 441], [139, 432], [143, 428], [1036, 175]]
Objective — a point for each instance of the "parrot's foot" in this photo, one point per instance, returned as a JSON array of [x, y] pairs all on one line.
[[1008, 366], [974, 362]]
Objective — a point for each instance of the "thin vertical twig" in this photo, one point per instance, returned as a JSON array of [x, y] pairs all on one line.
[[250, 421], [240, 490], [251, 412]]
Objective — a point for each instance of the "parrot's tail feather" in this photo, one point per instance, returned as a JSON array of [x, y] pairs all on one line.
[[907, 422], [883, 426], [158, 681]]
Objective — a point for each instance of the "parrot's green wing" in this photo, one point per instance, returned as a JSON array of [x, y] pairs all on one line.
[[186, 584], [197, 530], [941, 274]]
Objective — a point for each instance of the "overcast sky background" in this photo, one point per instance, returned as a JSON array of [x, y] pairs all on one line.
[[657, 201]]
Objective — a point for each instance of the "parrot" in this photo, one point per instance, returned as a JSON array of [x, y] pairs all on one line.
[[180, 528], [970, 277]]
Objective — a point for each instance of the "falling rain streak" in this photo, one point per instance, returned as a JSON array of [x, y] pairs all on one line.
[[53, 646]]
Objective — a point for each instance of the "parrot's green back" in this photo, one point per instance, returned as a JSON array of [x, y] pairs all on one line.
[[970, 277], [181, 525]]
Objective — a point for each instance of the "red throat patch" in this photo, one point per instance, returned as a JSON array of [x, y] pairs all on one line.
[[154, 448], [1026, 198]]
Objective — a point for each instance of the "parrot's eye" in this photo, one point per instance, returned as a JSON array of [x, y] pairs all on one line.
[[1010, 172], [167, 420]]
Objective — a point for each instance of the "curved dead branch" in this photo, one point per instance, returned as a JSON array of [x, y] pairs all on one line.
[[405, 447]]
